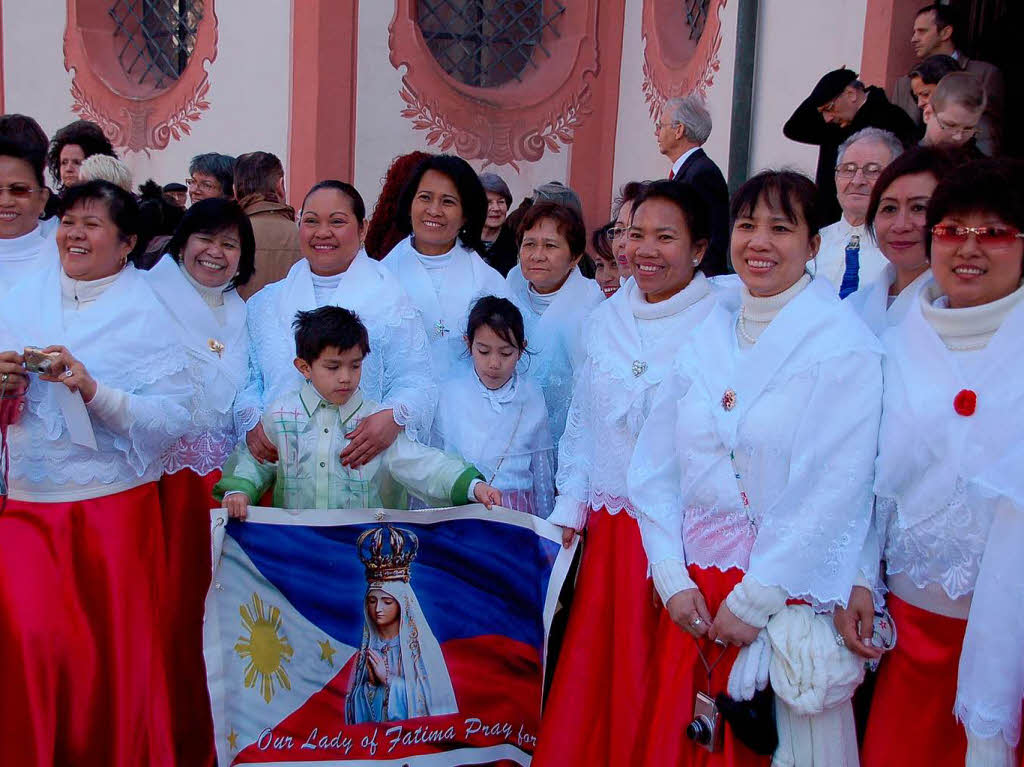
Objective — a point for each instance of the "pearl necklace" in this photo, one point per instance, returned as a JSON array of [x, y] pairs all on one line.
[[741, 326]]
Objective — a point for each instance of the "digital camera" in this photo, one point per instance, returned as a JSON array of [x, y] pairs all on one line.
[[704, 729], [38, 361]]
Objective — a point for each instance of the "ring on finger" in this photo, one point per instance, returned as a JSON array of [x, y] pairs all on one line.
[[68, 373], [721, 643], [696, 622]]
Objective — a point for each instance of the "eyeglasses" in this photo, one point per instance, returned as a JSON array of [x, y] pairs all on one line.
[[992, 236], [871, 170], [20, 191], [203, 186], [963, 131], [661, 124]]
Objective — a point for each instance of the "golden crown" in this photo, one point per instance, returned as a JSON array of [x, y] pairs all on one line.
[[387, 553]]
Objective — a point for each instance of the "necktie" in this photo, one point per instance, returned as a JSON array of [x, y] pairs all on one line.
[[851, 277]]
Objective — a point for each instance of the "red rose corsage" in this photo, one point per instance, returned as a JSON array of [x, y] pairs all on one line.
[[965, 402]]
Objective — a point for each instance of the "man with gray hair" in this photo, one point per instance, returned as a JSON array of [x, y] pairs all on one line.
[[684, 127], [848, 256]]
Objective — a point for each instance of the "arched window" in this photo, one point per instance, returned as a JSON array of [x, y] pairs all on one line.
[[155, 38], [486, 43], [696, 17]]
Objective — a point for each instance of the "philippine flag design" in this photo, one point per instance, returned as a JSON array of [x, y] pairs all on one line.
[[348, 637]]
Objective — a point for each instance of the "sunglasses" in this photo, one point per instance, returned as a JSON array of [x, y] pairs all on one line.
[[993, 236], [20, 191]]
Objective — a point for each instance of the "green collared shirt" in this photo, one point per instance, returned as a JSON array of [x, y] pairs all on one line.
[[309, 433]]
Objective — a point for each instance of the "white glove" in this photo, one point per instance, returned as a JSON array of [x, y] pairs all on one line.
[[750, 670], [988, 752]]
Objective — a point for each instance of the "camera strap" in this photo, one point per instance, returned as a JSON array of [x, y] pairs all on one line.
[[709, 667]]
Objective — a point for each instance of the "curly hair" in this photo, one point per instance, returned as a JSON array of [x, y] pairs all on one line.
[[85, 134], [381, 233]]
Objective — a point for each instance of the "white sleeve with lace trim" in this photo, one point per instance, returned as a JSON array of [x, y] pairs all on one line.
[[409, 385], [572, 480]]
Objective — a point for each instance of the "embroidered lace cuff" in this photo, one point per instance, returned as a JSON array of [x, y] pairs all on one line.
[[670, 577], [569, 512], [754, 603]]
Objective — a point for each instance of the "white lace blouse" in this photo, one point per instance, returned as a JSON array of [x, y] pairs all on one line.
[[629, 345], [211, 326], [119, 330]]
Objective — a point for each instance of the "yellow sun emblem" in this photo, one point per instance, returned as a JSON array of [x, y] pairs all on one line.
[[266, 648]]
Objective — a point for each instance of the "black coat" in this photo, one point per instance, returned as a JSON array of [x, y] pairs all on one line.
[[701, 172], [808, 127]]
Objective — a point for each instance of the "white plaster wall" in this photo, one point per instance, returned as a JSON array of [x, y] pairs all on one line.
[[382, 133], [798, 42], [250, 81]]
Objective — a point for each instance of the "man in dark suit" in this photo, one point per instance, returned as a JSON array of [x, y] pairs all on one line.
[[839, 106], [684, 127]]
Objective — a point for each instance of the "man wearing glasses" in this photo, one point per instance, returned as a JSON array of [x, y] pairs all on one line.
[[210, 175], [848, 256], [839, 106]]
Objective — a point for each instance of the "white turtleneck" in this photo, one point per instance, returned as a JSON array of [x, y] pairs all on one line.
[[970, 329], [323, 286], [22, 255], [539, 302], [504, 394], [757, 312], [78, 294], [647, 313], [212, 297], [435, 266]]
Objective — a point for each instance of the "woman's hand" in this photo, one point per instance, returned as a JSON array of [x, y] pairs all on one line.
[[260, 447], [568, 534], [731, 630], [370, 438], [67, 370], [689, 611], [855, 623], [376, 668], [487, 495], [13, 379], [237, 505]]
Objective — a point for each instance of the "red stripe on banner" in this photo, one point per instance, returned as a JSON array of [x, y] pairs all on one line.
[[497, 684]]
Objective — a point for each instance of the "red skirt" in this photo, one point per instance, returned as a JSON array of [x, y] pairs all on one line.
[[82, 637], [678, 675], [601, 680], [917, 682], [186, 499]]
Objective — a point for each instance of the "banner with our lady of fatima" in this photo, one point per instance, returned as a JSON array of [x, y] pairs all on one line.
[[380, 637]]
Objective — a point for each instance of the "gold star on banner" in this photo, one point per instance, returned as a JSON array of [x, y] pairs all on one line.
[[233, 740], [327, 652]]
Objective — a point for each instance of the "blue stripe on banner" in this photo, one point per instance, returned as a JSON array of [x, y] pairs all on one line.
[[472, 577]]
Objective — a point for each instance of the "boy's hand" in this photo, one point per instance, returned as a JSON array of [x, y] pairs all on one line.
[[487, 495], [370, 438], [237, 505]]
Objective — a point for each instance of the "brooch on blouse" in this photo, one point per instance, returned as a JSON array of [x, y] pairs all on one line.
[[728, 400], [441, 329], [965, 402], [216, 347], [639, 368]]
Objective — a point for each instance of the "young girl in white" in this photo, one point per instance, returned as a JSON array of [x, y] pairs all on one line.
[[495, 417]]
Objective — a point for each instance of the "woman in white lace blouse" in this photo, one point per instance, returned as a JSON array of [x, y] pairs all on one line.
[[210, 255], [83, 577], [752, 475], [954, 407]]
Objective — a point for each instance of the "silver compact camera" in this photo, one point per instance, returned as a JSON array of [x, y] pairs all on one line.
[[38, 361], [705, 728]]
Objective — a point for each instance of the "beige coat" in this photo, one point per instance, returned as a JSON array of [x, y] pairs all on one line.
[[277, 241]]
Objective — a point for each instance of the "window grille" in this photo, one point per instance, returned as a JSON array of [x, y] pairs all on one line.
[[486, 43], [158, 38], [696, 17]]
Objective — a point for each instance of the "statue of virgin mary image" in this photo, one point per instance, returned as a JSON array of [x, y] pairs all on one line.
[[399, 672]]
